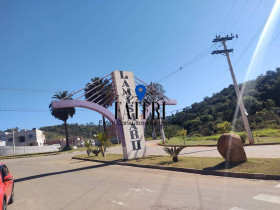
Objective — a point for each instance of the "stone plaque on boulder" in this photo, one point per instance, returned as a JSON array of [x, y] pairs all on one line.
[[231, 148]]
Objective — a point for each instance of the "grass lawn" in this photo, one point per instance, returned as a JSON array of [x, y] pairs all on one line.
[[200, 141], [254, 165], [260, 136], [180, 141]]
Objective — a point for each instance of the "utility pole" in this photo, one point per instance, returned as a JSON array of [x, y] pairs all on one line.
[[153, 120], [90, 138], [162, 131], [237, 91], [160, 120], [14, 148]]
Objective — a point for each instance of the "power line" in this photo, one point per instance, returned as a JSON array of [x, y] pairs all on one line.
[[247, 20], [269, 43], [36, 110], [28, 89], [19, 110], [250, 43], [258, 54], [240, 13], [210, 90], [190, 62], [227, 18], [44, 110], [262, 50], [251, 15]]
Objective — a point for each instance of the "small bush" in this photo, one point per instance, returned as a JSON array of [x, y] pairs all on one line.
[[243, 137], [96, 151], [174, 152], [88, 144], [223, 127]]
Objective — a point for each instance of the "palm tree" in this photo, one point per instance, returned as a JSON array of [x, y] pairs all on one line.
[[101, 92], [63, 113]]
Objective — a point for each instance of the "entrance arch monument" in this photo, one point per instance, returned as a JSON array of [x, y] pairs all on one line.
[[127, 119]]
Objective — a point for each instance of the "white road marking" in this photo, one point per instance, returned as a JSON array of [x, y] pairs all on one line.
[[135, 189], [147, 189], [277, 185], [118, 202], [138, 189], [267, 198], [236, 208]]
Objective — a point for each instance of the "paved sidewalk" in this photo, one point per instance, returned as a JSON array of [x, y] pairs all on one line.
[[267, 151]]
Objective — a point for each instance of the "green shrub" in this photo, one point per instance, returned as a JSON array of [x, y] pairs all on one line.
[[96, 151], [171, 131], [88, 144], [174, 152], [243, 137], [197, 135], [223, 127]]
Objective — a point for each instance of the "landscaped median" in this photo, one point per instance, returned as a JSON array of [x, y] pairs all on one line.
[[254, 168], [262, 137]]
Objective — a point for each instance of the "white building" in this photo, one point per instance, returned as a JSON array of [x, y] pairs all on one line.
[[2, 138], [24, 137]]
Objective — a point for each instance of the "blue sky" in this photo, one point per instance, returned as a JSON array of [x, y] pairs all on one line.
[[46, 46]]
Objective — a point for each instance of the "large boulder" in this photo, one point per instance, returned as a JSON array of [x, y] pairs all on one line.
[[231, 148]]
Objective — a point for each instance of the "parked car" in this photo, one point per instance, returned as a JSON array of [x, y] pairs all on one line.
[[6, 187]]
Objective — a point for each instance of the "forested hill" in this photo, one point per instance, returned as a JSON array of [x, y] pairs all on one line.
[[261, 99], [57, 131]]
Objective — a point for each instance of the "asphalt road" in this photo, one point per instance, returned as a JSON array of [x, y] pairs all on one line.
[[59, 182]]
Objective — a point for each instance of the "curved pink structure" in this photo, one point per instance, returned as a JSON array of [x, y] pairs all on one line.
[[122, 86], [103, 111], [95, 107]]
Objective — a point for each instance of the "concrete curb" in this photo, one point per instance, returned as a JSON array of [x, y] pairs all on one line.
[[215, 145], [262, 144], [192, 170], [207, 145], [8, 157]]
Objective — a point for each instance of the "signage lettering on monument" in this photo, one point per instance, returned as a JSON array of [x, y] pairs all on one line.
[[127, 112]]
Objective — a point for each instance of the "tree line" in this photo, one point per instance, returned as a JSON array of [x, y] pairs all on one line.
[[261, 100]]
